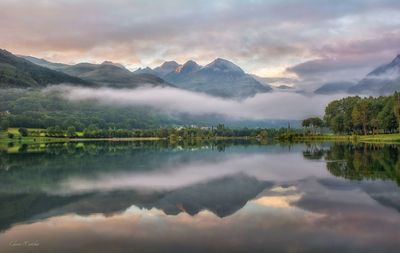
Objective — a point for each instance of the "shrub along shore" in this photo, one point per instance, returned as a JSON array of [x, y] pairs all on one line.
[[56, 134], [377, 138]]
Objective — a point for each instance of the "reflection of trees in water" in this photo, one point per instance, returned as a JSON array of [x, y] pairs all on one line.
[[29, 167], [314, 151], [364, 161]]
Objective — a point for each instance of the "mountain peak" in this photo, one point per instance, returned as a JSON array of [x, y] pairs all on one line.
[[169, 65], [397, 60], [392, 69], [5, 52], [113, 64], [223, 65], [188, 67]]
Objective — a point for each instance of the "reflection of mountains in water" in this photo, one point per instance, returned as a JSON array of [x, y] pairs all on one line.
[[385, 193], [45, 167], [223, 197]]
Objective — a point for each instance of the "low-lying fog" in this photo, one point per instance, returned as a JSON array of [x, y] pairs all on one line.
[[275, 105]]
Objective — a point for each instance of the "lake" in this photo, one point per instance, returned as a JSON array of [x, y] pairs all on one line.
[[221, 196]]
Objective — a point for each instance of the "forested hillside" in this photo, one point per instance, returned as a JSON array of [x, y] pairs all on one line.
[[20, 73], [38, 109]]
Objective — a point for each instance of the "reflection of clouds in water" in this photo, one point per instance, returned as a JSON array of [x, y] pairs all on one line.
[[356, 225], [266, 167], [301, 208], [277, 201], [283, 189]]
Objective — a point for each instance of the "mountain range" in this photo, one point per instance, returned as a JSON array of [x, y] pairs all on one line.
[[222, 196], [334, 87], [112, 75], [383, 80], [106, 74], [220, 78]]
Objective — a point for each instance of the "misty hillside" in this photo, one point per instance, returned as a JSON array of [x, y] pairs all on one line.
[[105, 74], [44, 63], [383, 80], [16, 72], [333, 88], [113, 75]]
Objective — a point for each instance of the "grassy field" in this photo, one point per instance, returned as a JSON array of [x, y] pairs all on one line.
[[385, 138], [39, 136], [378, 138]]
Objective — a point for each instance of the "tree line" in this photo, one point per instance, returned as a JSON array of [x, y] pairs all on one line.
[[185, 133], [368, 115], [358, 115]]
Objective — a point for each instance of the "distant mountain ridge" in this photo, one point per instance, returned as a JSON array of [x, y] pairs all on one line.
[[113, 75], [393, 66], [383, 80], [44, 63], [16, 72], [167, 67], [333, 88], [105, 74], [159, 71], [219, 78]]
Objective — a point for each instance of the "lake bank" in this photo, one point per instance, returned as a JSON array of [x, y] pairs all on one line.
[[39, 135], [41, 140], [377, 138]]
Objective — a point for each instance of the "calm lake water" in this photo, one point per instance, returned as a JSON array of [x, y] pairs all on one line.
[[227, 196]]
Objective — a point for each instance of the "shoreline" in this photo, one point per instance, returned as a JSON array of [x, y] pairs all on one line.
[[42, 140], [158, 139], [117, 139], [378, 138]]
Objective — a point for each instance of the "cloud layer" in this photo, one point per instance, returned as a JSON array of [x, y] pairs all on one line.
[[277, 105], [344, 39]]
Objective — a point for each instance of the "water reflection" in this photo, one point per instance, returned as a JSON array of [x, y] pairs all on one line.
[[163, 197], [359, 161], [365, 162]]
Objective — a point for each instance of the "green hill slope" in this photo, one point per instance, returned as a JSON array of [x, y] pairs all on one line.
[[16, 72]]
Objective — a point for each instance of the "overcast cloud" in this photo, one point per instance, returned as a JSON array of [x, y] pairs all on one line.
[[334, 39]]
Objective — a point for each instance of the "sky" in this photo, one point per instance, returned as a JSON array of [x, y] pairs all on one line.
[[310, 41]]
